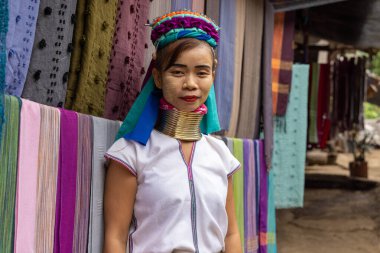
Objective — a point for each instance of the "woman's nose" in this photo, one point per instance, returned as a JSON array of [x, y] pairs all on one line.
[[190, 82]]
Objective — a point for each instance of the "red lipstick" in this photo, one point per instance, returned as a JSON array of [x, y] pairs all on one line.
[[189, 99]]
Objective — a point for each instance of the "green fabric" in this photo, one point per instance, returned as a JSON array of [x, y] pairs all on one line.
[[238, 182], [8, 172], [313, 108], [272, 244]]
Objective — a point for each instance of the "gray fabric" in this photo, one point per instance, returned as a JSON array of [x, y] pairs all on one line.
[[212, 9], [249, 113], [47, 77], [104, 136], [267, 81]]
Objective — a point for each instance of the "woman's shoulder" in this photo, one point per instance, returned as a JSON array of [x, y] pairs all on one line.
[[216, 143]]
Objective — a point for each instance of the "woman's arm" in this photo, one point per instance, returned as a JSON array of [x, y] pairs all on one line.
[[119, 198], [232, 241]]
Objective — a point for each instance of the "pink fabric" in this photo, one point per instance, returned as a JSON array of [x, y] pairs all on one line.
[[26, 194], [126, 68], [164, 105]]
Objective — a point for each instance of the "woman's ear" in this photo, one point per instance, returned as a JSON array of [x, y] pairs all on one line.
[[214, 68], [157, 79]]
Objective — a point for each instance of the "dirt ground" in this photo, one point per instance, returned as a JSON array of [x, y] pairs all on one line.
[[334, 220]]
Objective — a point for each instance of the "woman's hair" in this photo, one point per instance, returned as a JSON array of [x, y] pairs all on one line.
[[166, 56]]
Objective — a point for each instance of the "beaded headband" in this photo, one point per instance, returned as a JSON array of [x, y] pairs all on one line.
[[183, 24]]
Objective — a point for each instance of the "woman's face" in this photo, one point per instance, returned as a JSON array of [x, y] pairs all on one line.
[[187, 82]]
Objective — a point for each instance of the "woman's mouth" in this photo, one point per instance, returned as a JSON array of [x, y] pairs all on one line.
[[189, 99]]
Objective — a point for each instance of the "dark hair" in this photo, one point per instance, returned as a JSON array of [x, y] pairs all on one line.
[[167, 56]]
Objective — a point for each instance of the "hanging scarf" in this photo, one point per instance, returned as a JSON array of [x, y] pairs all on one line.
[[26, 195], [8, 172], [323, 111], [177, 5], [22, 26], [66, 182], [46, 82], [282, 60], [3, 56]]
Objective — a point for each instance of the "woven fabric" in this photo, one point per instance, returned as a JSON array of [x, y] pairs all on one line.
[[263, 198], [267, 81], [104, 136], [75, 61], [26, 196], [282, 60], [289, 154], [271, 234], [313, 104], [240, 6], [225, 73], [126, 69], [177, 5], [198, 6], [66, 182], [249, 111], [212, 9], [238, 183], [21, 31], [8, 172], [83, 177], [323, 107], [48, 159], [3, 56], [46, 82], [99, 30]]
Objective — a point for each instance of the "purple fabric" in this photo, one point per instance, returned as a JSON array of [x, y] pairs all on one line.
[[66, 183], [246, 186], [263, 201], [183, 22]]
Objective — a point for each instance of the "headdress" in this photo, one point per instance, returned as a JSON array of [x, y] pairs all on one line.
[[171, 27]]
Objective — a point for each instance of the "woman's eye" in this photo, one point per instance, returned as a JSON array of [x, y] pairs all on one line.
[[177, 73], [202, 74]]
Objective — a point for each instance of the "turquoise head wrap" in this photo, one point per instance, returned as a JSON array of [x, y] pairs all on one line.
[[143, 114]]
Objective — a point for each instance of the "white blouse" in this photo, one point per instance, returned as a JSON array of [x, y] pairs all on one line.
[[179, 207]]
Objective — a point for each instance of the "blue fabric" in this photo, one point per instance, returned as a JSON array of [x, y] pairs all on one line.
[[289, 152], [181, 4], [3, 58], [225, 73]]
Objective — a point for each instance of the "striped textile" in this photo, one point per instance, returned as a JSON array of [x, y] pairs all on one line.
[[83, 181], [249, 112], [75, 61], [99, 30], [282, 60], [263, 198], [238, 183], [66, 182], [48, 159], [104, 136], [25, 215], [250, 212], [225, 73], [126, 68], [47, 76], [3, 56], [240, 6], [8, 172], [21, 31], [177, 5]]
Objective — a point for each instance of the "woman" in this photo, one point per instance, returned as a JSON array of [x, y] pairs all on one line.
[[169, 187]]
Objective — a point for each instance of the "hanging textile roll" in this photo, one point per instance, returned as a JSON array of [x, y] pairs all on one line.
[[46, 82], [238, 184], [75, 62], [97, 43], [282, 60], [224, 79], [83, 179], [48, 158], [250, 212], [313, 104], [239, 41], [8, 172], [249, 112], [104, 132], [271, 234], [177, 5], [126, 70], [66, 182], [290, 147], [267, 81], [263, 199], [20, 38], [212, 9], [198, 6], [323, 112], [25, 215], [3, 56]]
